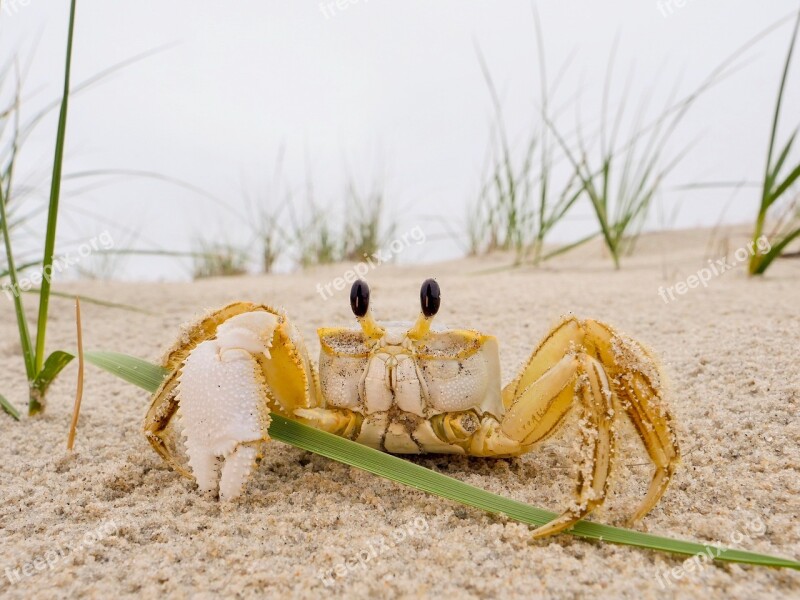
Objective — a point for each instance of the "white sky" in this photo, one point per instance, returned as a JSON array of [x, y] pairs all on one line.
[[382, 89]]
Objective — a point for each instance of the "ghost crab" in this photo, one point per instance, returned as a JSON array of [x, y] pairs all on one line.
[[405, 388]]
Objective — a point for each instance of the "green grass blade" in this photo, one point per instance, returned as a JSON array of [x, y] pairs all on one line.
[[568, 247], [55, 193], [758, 265], [765, 260], [22, 323], [54, 364], [784, 155], [778, 103], [8, 408], [20, 268], [128, 368], [787, 183], [149, 377], [96, 301]]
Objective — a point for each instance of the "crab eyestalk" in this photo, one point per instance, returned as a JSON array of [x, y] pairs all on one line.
[[430, 298], [359, 302]]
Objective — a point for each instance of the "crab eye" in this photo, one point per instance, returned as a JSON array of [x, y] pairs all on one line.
[[430, 296], [359, 298]]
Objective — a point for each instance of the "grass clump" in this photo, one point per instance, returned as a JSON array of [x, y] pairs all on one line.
[[349, 230], [520, 202], [39, 368], [777, 186], [217, 259], [313, 237], [621, 180], [364, 230]]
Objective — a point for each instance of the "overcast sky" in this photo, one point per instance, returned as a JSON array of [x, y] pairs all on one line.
[[378, 89]]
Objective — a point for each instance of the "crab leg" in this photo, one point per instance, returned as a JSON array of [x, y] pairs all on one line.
[[339, 421], [597, 444], [590, 364], [163, 408], [565, 336], [636, 384], [238, 466], [540, 408]]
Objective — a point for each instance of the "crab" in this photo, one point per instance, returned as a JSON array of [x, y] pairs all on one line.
[[405, 388]]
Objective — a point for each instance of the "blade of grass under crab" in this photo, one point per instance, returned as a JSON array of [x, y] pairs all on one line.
[[128, 368], [148, 377]]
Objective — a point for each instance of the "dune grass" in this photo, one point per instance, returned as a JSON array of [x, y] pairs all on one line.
[[778, 185], [266, 209], [621, 180], [348, 230], [520, 202], [619, 176], [313, 239], [365, 231], [292, 224], [39, 368], [218, 259]]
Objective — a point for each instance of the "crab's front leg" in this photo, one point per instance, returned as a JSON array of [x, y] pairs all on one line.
[[229, 372], [339, 421], [589, 365]]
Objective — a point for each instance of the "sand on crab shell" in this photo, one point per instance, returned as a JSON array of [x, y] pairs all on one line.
[[111, 520]]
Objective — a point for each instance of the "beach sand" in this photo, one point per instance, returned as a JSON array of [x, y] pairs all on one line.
[[133, 527]]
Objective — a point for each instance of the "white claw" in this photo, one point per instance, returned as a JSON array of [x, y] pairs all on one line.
[[236, 472], [222, 398]]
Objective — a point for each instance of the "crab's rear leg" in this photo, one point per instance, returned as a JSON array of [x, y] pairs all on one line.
[[588, 363], [636, 382]]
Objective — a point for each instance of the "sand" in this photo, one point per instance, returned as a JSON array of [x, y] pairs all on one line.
[[111, 520]]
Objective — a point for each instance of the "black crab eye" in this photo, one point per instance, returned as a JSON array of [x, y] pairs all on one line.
[[430, 296], [359, 298]]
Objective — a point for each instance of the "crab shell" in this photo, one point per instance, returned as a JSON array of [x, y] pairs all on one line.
[[399, 384]]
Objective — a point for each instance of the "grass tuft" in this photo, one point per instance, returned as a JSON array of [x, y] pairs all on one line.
[[39, 371], [519, 204], [217, 259], [776, 189]]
